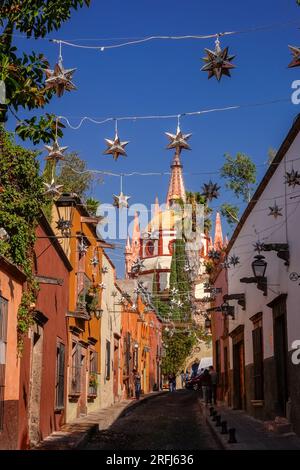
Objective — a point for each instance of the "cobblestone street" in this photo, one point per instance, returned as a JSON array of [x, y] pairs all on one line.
[[165, 422]]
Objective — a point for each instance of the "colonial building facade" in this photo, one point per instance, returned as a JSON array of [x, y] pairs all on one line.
[[254, 349]]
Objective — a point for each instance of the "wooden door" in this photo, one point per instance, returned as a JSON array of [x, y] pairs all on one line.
[[280, 354], [239, 375], [116, 368]]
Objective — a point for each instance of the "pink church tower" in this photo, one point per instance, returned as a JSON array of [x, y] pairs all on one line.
[[176, 186], [132, 251], [218, 241]]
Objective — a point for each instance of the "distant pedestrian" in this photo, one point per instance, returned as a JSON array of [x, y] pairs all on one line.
[[170, 379], [206, 386], [182, 376], [214, 383], [186, 376], [137, 383], [174, 382]]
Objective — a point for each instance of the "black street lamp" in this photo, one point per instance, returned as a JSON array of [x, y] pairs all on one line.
[[259, 266], [227, 309], [207, 323]]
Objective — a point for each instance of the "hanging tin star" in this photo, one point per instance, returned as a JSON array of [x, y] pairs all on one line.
[[60, 79], [121, 201], [104, 270], [137, 266], [52, 189], [292, 178], [4, 235], [174, 291], [225, 264], [259, 246], [115, 147], [275, 211], [94, 261], [210, 190], [82, 248], [214, 254], [178, 141], [64, 225], [296, 57], [101, 285], [234, 260], [55, 151], [218, 62]]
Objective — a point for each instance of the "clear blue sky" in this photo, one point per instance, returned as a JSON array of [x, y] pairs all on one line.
[[164, 77]]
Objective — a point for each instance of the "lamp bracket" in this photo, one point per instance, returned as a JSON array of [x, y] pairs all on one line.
[[261, 283], [282, 250], [241, 298]]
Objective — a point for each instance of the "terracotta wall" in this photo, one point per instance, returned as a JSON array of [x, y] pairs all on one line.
[[52, 302]]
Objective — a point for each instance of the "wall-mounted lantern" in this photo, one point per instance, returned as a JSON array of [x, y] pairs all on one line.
[[207, 323], [259, 266]]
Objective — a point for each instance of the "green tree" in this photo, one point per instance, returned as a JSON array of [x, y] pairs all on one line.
[[180, 282], [73, 175], [198, 198], [22, 73], [230, 212], [240, 174], [92, 205], [20, 209], [179, 347]]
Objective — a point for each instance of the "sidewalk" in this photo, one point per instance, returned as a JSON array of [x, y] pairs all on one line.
[[76, 433], [251, 433]]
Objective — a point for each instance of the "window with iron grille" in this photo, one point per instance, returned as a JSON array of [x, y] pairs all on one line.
[[107, 360], [3, 341], [93, 370], [75, 385], [60, 375]]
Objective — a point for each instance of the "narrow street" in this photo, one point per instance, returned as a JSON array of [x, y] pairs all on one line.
[[171, 421]]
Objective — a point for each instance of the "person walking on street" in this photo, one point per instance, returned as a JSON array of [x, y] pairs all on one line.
[[214, 383], [174, 382], [170, 378], [186, 376], [137, 383], [182, 375], [206, 386]]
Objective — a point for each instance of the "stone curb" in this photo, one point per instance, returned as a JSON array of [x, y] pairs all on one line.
[[218, 437]]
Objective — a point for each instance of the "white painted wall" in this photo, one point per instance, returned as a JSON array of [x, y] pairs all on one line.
[[269, 230], [110, 324]]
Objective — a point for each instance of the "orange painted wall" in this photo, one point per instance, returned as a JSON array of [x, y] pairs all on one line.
[[11, 290]]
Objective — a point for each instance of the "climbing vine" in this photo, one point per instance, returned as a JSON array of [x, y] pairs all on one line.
[[21, 200]]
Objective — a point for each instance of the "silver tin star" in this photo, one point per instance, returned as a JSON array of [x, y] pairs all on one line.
[[4, 235], [52, 189], [115, 147], [178, 140], [121, 201], [234, 260], [292, 178], [60, 79], [94, 261], [55, 151], [275, 211]]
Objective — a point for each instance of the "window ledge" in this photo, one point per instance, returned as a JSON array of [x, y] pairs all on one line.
[[257, 403], [59, 411]]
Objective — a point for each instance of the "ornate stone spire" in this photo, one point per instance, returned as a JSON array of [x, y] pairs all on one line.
[[176, 186], [136, 237], [218, 242]]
